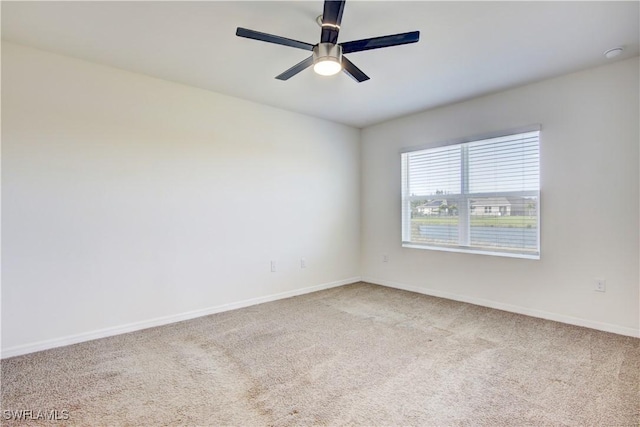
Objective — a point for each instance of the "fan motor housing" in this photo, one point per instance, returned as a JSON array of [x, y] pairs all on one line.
[[327, 51]]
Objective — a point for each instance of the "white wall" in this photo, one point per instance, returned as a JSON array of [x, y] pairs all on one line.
[[589, 201], [130, 199]]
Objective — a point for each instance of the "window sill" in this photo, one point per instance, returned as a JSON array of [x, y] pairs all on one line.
[[471, 251]]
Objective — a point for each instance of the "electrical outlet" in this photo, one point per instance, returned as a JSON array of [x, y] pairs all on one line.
[[385, 258], [273, 266], [600, 285], [303, 263]]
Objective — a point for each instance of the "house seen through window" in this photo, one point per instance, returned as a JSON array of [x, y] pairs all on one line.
[[479, 196]]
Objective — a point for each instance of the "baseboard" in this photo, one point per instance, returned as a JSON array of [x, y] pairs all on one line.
[[159, 321], [606, 327]]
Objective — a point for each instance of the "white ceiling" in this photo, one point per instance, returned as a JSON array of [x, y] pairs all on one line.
[[466, 49]]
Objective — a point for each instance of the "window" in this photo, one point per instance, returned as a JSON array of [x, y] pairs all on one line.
[[479, 196]]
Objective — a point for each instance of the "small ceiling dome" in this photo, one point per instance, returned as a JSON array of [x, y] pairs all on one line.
[[612, 53]]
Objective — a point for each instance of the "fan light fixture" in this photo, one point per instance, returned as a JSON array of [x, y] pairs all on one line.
[[327, 59], [327, 67]]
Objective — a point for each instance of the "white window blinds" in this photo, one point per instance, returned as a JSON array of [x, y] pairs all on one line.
[[478, 196]]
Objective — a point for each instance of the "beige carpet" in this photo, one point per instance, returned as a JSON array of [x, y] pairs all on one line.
[[355, 355]]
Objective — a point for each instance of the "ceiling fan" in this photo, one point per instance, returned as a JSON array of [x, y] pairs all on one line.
[[327, 56]]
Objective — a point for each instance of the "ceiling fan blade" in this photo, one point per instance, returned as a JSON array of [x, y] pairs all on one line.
[[269, 38], [380, 42], [352, 71], [296, 69], [331, 19]]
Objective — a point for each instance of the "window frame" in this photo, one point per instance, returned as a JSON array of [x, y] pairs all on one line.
[[464, 198]]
